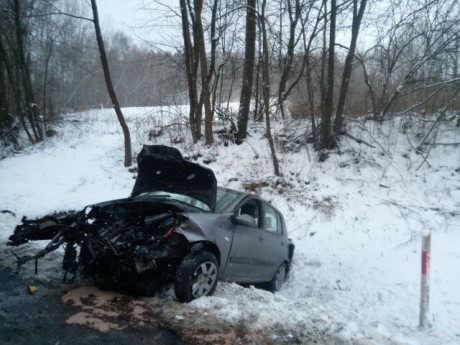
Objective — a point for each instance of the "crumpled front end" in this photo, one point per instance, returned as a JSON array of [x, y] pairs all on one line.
[[132, 256], [126, 246]]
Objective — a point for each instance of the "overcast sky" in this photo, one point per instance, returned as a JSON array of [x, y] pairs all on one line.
[[140, 19], [120, 14]]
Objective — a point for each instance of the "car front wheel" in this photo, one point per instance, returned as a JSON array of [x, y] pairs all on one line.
[[196, 276]]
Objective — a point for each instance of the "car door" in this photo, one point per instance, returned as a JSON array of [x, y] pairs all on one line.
[[247, 258], [275, 242]]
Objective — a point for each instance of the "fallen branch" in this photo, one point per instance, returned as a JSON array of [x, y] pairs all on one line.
[[359, 141], [438, 119], [424, 208], [381, 147], [445, 144], [425, 160]]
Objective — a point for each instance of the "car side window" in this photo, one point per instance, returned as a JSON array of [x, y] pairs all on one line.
[[252, 209], [272, 220]]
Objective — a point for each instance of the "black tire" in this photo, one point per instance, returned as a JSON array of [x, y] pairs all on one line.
[[278, 279], [196, 276]]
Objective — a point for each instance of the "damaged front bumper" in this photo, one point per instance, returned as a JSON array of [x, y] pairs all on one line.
[[127, 253]]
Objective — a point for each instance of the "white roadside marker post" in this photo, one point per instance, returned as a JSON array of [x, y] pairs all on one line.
[[425, 284]]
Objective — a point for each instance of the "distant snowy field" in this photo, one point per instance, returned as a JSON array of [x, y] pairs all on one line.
[[356, 219]]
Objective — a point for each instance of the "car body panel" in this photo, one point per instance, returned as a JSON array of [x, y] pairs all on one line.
[[256, 253], [163, 168]]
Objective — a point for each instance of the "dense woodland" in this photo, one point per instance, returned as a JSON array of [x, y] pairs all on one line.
[[322, 60]]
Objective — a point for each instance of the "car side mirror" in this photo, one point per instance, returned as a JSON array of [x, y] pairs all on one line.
[[245, 220]]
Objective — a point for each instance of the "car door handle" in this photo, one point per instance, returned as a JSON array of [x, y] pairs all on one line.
[[261, 239]]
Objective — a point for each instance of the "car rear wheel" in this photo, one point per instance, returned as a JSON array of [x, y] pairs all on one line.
[[196, 276], [278, 279]]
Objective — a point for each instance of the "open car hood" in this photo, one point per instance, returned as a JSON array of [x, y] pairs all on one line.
[[162, 168]]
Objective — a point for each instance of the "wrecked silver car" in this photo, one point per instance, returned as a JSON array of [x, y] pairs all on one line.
[[176, 226]]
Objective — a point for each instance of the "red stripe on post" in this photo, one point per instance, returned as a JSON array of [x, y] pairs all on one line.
[[425, 285], [424, 263]]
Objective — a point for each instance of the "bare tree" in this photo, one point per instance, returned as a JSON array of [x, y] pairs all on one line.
[[15, 33], [408, 59], [327, 140], [198, 5], [108, 80], [266, 88], [358, 13], [195, 57], [294, 9], [248, 70], [224, 29], [191, 72]]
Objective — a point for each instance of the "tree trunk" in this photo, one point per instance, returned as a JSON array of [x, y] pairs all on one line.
[[45, 87], [110, 89], [189, 57], [212, 72], [357, 17], [31, 106], [266, 91], [204, 73], [287, 66], [248, 71], [311, 100], [327, 140]]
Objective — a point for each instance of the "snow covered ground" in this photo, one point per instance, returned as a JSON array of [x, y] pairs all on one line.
[[356, 219]]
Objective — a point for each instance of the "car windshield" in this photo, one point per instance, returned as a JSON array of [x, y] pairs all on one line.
[[173, 196], [224, 198]]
